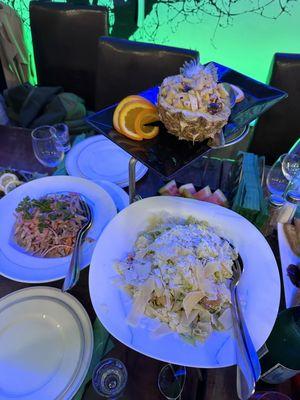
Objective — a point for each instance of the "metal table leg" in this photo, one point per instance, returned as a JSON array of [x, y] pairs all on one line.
[[132, 194]]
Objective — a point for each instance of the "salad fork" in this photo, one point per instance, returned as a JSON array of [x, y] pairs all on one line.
[[74, 269], [248, 366]]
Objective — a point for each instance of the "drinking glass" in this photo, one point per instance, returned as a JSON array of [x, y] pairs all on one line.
[[276, 181], [171, 381], [44, 145], [63, 137], [110, 378]]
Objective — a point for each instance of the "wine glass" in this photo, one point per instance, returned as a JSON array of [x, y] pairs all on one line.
[[291, 162], [171, 380], [45, 146], [110, 378], [276, 180]]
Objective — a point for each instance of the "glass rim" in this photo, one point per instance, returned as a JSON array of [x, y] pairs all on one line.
[[168, 366], [281, 157], [101, 364], [296, 144], [59, 124], [264, 395], [52, 131]]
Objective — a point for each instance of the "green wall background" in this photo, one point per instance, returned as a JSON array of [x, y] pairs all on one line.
[[246, 42]]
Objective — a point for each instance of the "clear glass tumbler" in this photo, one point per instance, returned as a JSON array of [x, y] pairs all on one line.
[[110, 378], [44, 143]]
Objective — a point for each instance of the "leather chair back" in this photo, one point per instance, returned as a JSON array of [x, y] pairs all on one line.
[[279, 128], [2, 79], [125, 67], [65, 38]]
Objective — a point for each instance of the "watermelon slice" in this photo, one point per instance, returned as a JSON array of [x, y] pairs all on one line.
[[170, 189], [188, 187], [217, 197], [203, 193]]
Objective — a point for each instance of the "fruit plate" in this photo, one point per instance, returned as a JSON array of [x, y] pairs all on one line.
[[167, 155]]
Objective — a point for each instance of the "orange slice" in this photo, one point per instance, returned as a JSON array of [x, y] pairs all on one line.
[[128, 115], [145, 117], [239, 94], [122, 103]]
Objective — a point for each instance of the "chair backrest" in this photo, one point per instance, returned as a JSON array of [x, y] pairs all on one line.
[[65, 38], [125, 67], [3, 84], [279, 128]]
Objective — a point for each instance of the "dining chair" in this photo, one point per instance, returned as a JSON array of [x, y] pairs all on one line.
[[279, 128], [65, 38], [126, 67], [2, 79]]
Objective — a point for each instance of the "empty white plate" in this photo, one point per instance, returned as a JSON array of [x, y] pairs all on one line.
[[46, 345], [97, 158]]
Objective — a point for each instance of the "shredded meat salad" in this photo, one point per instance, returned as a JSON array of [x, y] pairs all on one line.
[[47, 227]]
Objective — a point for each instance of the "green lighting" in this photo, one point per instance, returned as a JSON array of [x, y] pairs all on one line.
[[246, 43]]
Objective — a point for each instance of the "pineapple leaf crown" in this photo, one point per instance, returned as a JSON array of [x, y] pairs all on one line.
[[193, 68]]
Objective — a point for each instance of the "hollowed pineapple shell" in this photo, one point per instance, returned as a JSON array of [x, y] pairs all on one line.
[[195, 126], [194, 129]]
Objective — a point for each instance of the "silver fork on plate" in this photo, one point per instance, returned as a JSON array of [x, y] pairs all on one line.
[[74, 268], [248, 366]]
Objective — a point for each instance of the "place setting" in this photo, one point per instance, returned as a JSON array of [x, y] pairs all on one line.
[[86, 155]]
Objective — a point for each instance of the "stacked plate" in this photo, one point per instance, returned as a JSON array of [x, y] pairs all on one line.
[[46, 345], [98, 159]]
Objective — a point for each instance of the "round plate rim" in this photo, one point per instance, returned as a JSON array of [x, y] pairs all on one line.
[[77, 180], [83, 317], [70, 170], [183, 201]]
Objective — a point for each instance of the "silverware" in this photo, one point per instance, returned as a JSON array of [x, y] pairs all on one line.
[[74, 268], [133, 196], [248, 366]]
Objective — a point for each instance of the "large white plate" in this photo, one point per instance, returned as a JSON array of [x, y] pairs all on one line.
[[46, 345], [259, 289], [97, 158], [287, 257], [21, 266]]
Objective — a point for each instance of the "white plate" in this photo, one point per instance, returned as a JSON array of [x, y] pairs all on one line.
[[287, 257], [46, 345], [119, 196], [97, 158], [26, 268], [259, 289]]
